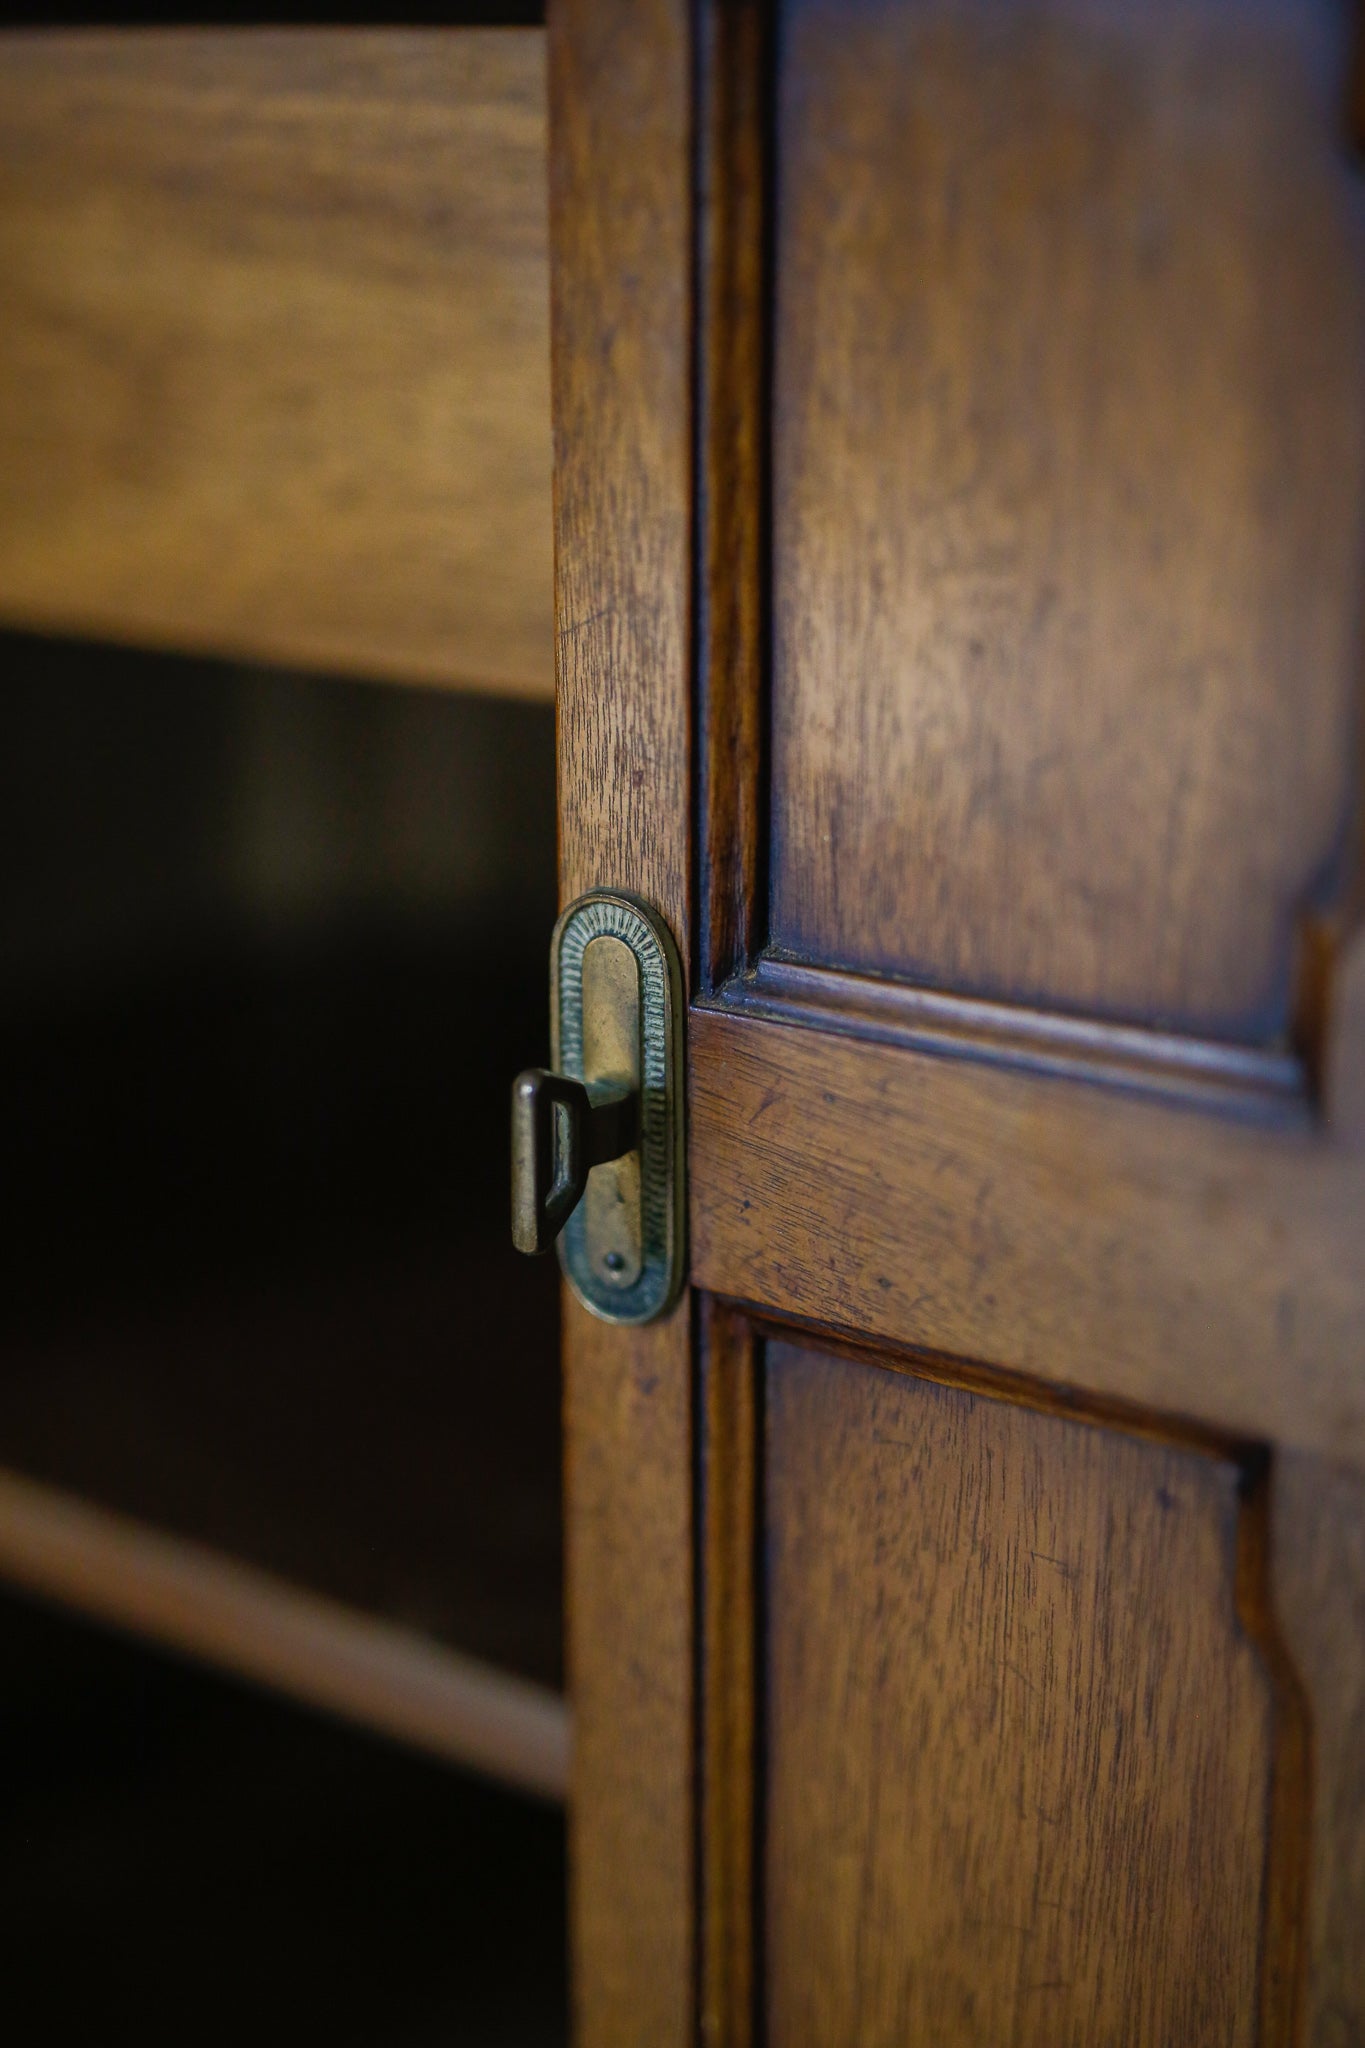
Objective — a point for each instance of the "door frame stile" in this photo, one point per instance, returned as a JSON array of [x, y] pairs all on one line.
[[620, 77]]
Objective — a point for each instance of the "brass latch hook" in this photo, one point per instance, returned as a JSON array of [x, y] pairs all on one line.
[[560, 1131], [597, 1143]]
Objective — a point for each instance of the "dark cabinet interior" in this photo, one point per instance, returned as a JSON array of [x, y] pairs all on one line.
[[270, 949]]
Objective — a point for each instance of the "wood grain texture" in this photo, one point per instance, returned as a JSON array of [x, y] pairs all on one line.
[[213, 1607], [728, 1512], [732, 499], [1019, 1745], [1318, 1530], [274, 350], [620, 183], [621, 330], [628, 1560], [1069, 498], [1204, 1265]]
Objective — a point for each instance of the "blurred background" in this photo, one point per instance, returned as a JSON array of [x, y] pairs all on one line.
[[270, 947], [283, 1733]]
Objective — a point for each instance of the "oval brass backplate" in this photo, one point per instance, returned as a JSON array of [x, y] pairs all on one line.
[[616, 1016]]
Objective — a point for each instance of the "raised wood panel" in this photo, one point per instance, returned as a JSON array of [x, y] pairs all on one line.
[[1069, 497], [274, 347], [1199, 1262], [1019, 1744]]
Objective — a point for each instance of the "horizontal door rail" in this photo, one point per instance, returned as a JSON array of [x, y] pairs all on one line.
[[1164, 1254]]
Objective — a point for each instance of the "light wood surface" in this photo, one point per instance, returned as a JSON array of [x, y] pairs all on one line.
[[316, 1650], [1069, 483], [1013, 1723], [620, 186], [274, 352]]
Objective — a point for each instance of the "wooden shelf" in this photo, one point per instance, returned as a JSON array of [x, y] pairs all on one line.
[[341, 1480], [386, 1436], [372, 1672], [274, 1386], [274, 347]]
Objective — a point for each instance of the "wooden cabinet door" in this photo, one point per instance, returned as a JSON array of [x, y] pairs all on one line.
[[960, 498]]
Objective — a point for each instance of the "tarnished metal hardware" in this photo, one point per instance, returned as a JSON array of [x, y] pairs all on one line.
[[560, 1131], [597, 1145]]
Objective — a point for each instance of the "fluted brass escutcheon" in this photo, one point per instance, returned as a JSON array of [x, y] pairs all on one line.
[[597, 1144]]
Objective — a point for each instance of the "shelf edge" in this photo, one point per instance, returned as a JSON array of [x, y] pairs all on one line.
[[189, 1598]]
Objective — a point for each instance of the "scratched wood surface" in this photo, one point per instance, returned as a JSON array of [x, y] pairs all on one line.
[[621, 223], [274, 347], [1192, 1261], [1068, 455], [728, 1715], [1068, 497], [1019, 1745]]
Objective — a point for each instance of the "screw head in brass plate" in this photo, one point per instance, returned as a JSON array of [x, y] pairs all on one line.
[[616, 1019]]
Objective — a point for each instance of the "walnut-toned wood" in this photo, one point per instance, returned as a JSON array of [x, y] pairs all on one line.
[[1207, 1072], [621, 326], [1202, 1264], [1069, 448], [622, 426], [728, 1706], [732, 484], [274, 353], [1019, 1745], [1039, 1098], [628, 1565]]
